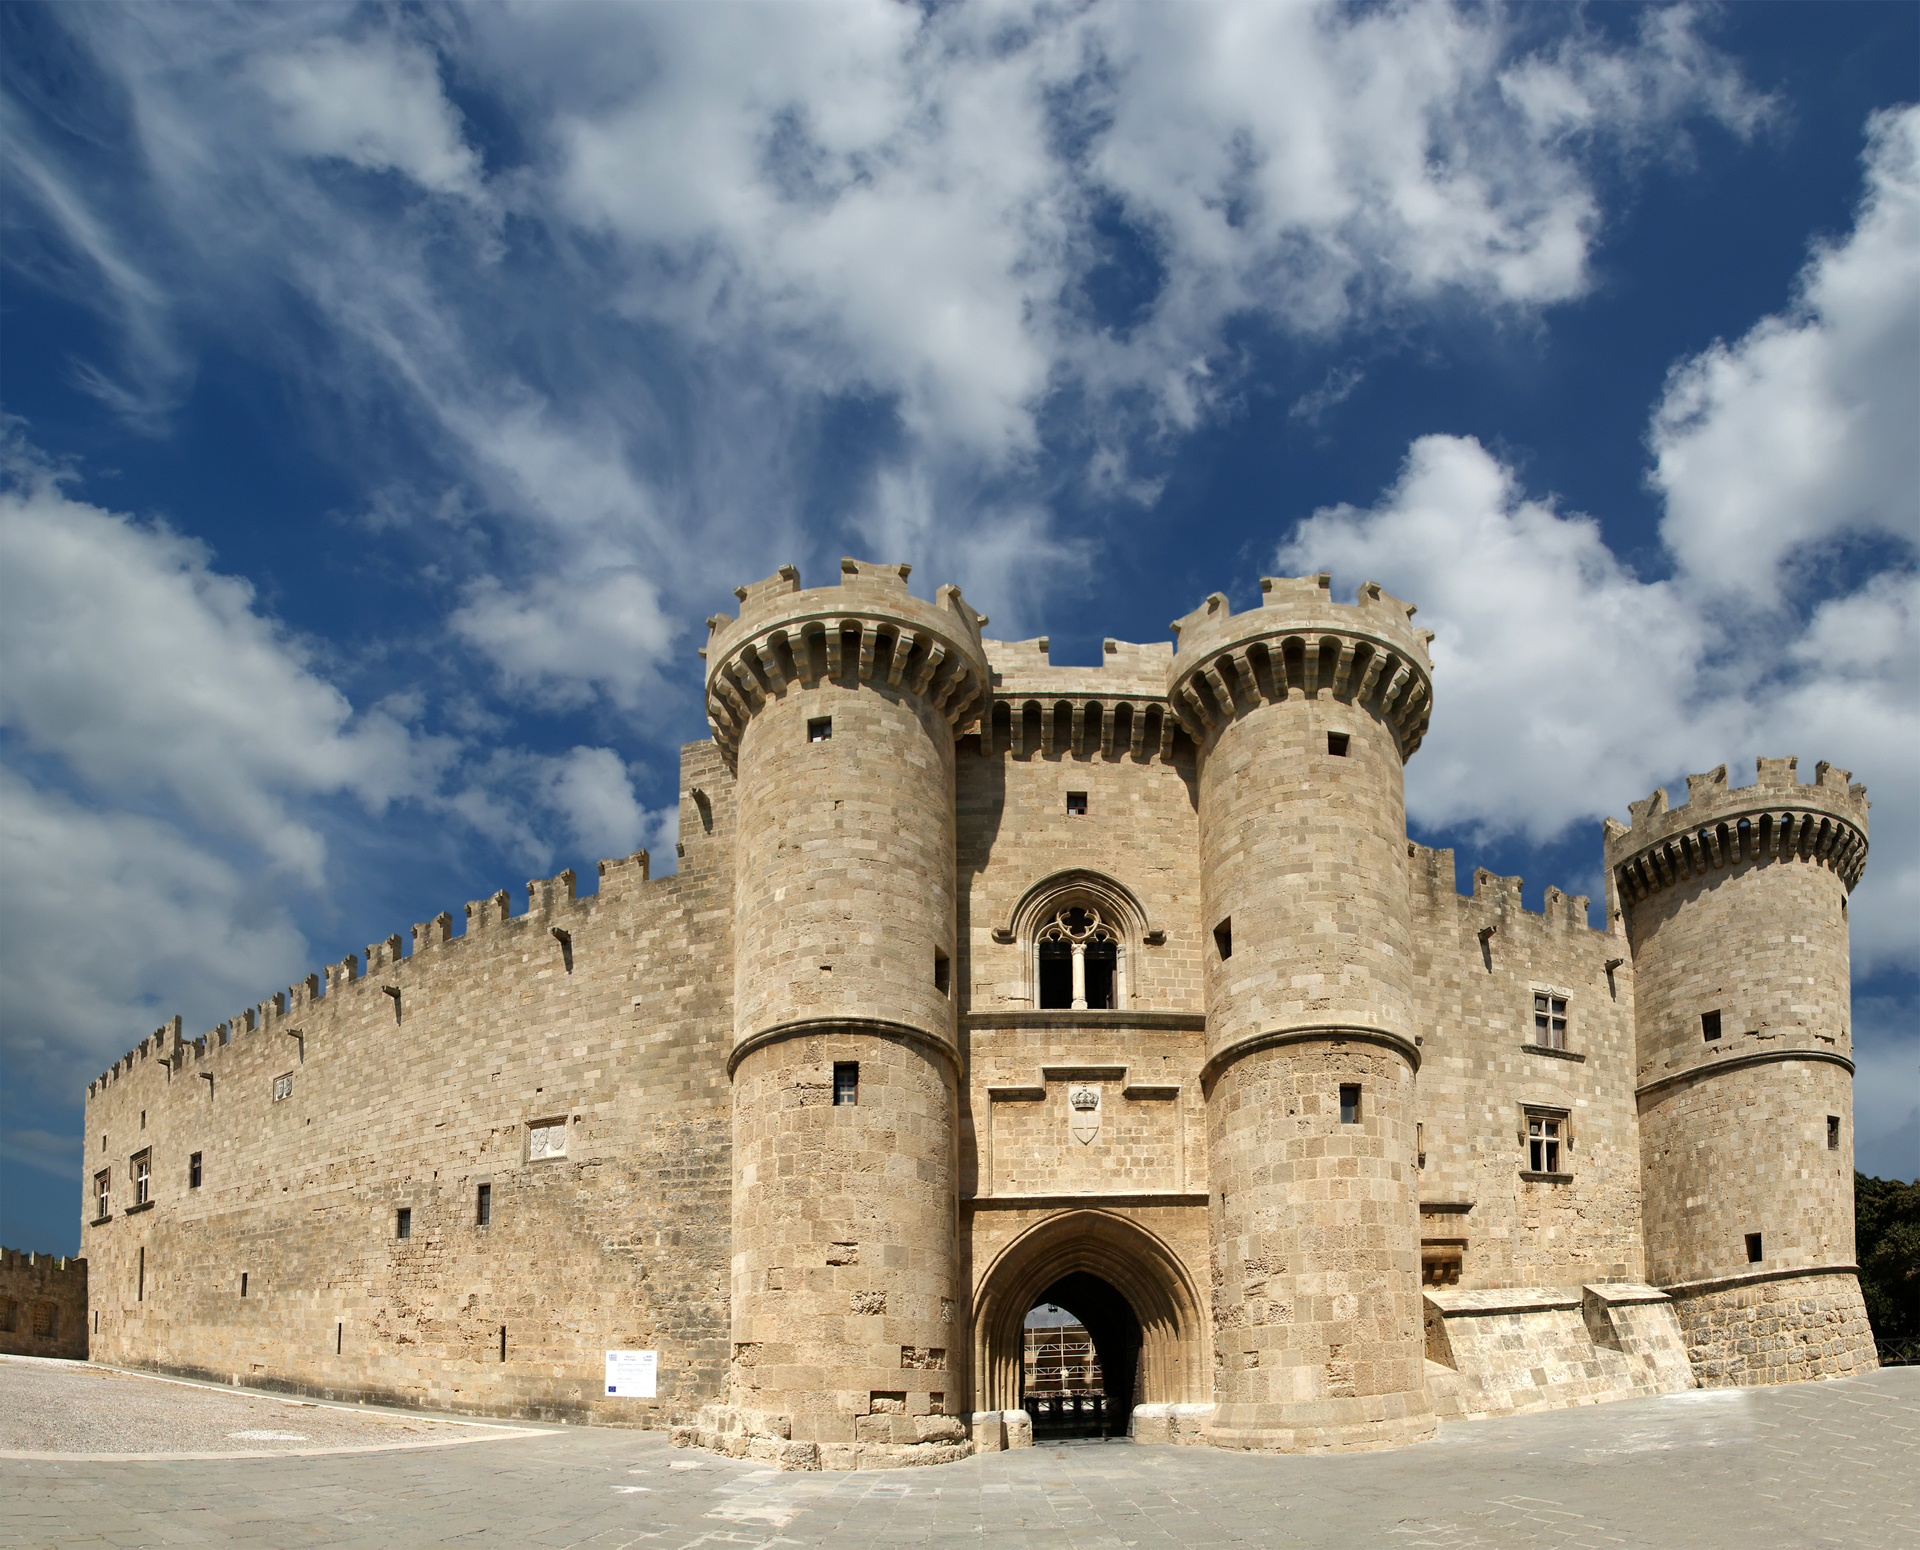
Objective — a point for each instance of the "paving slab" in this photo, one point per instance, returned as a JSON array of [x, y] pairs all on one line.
[[1830, 1463]]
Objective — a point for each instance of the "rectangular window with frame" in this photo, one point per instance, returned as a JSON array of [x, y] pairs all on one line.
[[1547, 1142], [1833, 1132], [1549, 1020], [193, 1171], [102, 1194], [483, 1205], [1077, 803], [1350, 1103], [1709, 1026], [846, 1083], [403, 1223], [140, 1169]]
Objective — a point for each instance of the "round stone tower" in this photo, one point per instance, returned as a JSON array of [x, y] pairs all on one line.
[[837, 707], [1305, 713], [1735, 910]]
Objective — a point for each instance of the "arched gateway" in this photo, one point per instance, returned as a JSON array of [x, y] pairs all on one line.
[[1127, 1287]]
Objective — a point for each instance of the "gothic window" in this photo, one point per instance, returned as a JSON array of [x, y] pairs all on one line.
[[1077, 960], [1078, 933]]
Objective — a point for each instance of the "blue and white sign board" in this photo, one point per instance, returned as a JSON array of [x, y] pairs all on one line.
[[632, 1374]]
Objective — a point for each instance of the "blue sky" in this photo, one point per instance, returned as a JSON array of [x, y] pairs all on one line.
[[391, 393]]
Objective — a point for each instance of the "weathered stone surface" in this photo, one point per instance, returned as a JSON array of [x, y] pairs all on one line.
[[981, 978], [43, 1305]]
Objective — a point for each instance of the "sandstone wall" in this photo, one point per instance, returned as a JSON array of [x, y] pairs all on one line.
[[616, 1032], [43, 1305], [1482, 1068]]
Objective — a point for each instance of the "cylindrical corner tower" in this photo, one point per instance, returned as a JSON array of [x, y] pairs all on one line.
[[1735, 909], [837, 706], [1305, 713]]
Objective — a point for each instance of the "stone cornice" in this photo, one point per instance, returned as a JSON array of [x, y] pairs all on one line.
[[1319, 1033], [1680, 1290], [870, 1027], [1740, 1062]]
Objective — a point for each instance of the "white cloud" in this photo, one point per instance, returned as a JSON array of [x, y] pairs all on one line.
[[1560, 679], [376, 103], [524, 801], [563, 638], [1566, 685], [1801, 433], [113, 921], [145, 670]]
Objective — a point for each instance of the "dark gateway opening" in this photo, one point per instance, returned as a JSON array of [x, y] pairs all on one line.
[[1081, 1356]]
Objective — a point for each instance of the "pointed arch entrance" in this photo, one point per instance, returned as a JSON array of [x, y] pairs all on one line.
[[1130, 1287]]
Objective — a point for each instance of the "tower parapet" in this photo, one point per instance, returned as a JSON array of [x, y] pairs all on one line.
[[1735, 910], [1301, 642], [870, 624]]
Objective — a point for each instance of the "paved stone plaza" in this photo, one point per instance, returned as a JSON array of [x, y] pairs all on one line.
[[89, 1457]]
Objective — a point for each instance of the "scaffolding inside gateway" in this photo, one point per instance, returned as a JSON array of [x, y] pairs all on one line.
[[1063, 1389]]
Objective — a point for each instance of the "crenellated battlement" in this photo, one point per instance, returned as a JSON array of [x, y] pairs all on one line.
[[1777, 818], [386, 963], [1302, 642], [1496, 896], [867, 627]]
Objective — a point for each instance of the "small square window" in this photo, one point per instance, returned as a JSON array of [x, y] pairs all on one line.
[[1223, 937], [846, 1083], [1710, 1025], [1350, 1103], [820, 729], [1753, 1248], [1549, 1020], [193, 1171], [1833, 1132], [1077, 802], [483, 1206], [403, 1223], [1337, 744], [283, 1087]]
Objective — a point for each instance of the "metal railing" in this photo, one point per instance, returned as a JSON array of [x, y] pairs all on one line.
[[1061, 1415], [1898, 1353]]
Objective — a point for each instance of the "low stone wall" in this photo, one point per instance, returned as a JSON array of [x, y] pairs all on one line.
[[994, 1431], [1775, 1327], [885, 1441], [43, 1305], [1499, 1352], [1185, 1425]]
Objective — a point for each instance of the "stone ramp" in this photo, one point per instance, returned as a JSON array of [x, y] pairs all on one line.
[[1507, 1350]]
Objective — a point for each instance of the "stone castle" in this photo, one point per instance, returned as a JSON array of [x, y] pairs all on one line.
[[984, 982]]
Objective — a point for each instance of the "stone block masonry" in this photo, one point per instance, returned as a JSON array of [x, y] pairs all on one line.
[[43, 1305], [986, 983]]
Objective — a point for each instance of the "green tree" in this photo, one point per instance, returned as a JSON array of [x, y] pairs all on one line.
[[1886, 1226]]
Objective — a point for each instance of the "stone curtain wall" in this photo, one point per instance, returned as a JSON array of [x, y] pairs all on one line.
[[1477, 1077], [43, 1305], [1775, 1329], [617, 1030]]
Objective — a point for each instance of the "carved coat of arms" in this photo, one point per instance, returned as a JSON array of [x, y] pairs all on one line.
[[1083, 1110]]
